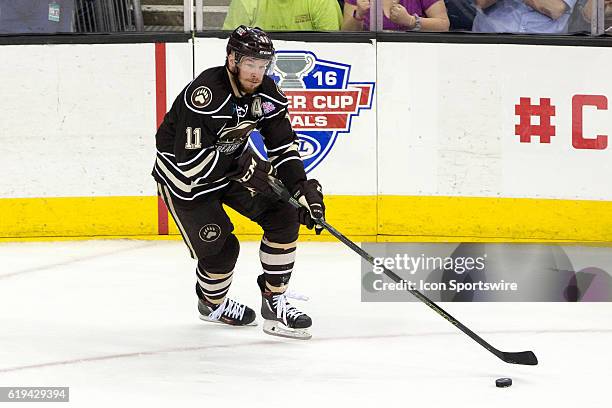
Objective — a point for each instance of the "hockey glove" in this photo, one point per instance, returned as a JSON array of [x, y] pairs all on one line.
[[253, 173], [310, 194]]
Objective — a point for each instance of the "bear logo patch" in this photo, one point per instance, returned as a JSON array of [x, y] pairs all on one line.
[[210, 232]]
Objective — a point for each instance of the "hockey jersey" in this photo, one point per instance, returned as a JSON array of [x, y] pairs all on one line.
[[208, 127]]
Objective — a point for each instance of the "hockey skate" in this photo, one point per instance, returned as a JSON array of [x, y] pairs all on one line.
[[228, 312], [280, 317]]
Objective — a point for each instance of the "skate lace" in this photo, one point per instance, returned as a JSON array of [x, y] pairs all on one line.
[[284, 309], [230, 308]]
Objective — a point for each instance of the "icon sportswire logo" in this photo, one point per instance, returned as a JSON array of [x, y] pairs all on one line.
[[322, 102]]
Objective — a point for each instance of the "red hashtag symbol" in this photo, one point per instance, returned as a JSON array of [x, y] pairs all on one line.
[[525, 110]]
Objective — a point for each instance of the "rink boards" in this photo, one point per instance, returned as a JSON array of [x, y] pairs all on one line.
[[443, 149]]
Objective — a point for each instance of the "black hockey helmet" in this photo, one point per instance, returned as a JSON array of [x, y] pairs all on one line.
[[250, 42]]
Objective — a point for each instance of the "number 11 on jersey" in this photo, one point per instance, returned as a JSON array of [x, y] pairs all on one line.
[[194, 138]]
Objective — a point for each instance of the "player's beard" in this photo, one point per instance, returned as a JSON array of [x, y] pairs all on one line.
[[248, 86], [245, 86]]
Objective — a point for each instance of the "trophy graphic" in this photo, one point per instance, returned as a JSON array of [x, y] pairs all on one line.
[[291, 68]]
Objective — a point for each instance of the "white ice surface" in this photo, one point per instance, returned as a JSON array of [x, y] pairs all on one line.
[[117, 322]]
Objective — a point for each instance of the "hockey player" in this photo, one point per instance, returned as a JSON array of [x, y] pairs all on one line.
[[204, 160]]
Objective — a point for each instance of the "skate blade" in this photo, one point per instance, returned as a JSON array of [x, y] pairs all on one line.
[[207, 319], [274, 328]]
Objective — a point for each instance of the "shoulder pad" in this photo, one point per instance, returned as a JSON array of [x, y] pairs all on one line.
[[207, 93]]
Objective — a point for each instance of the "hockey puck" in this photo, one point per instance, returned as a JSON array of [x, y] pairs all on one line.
[[503, 382]]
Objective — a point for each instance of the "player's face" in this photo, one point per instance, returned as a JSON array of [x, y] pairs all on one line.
[[251, 73]]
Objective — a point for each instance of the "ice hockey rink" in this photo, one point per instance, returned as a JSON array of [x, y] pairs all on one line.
[[116, 321]]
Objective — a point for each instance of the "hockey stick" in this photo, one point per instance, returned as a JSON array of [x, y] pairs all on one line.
[[522, 357]]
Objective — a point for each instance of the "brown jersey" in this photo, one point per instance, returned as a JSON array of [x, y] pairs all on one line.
[[208, 127]]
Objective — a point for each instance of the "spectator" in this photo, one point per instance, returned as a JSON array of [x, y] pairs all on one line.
[[36, 17], [285, 15], [398, 15], [580, 21], [461, 14], [523, 16]]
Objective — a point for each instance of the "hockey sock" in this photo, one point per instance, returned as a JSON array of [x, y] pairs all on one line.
[[213, 286], [215, 272], [277, 262]]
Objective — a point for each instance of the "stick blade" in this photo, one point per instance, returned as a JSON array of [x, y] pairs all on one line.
[[522, 357]]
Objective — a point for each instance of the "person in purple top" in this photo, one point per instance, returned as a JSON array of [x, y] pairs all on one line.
[[398, 15]]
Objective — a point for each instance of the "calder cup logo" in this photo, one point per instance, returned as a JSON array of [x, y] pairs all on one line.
[[322, 102]]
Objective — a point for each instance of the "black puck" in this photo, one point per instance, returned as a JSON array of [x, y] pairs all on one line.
[[503, 382]]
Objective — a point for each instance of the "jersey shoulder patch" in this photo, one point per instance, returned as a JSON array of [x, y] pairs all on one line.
[[208, 93]]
